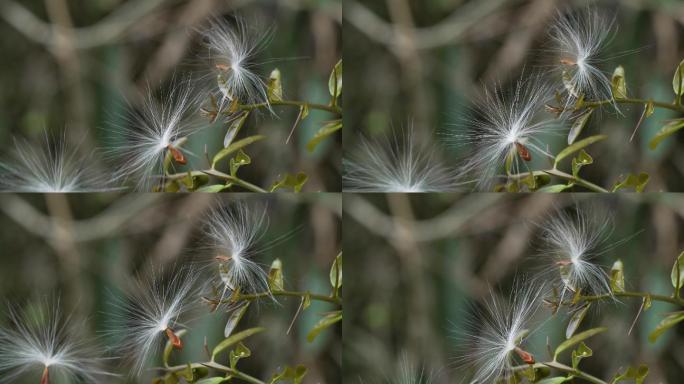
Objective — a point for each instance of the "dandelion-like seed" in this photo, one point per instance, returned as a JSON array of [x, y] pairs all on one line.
[[233, 232], [573, 241], [396, 164], [152, 133], [51, 167], [496, 337], [506, 132], [579, 40], [233, 50], [40, 341], [152, 312]]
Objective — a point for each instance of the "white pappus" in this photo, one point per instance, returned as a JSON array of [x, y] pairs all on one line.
[[152, 311], [154, 131], [53, 166], [495, 338], [233, 48], [578, 40], [505, 130], [572, 242], [41, 343], [396, 163], [233, 232]]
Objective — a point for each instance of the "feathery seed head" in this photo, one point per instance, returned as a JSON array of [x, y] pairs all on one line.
[[579, 39], [497, 335], [40, 342], [233, 49], [152, 311], [506, 126], [233, 232], [51, 167], [573, 241], [396, 163], [155, 131]]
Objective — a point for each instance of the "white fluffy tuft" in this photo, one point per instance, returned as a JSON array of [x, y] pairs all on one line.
[[37, 337], [504, 120], [396, 164], [233, 232], [51, 167]]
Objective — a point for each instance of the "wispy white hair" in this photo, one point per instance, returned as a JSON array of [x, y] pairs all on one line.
[[233, 49], [504, 121], [233, 232], [154, 303], [498, 331], [396, 163], [573, 240], [150, 130], [53, 166], [39, 337], [579, 40]]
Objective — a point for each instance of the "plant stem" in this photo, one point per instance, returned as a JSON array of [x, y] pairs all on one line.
[[245, 184], [663, 298], [555, 172], [293, 103], [254, 296], [659, 104], [563, 368], [240, 375]]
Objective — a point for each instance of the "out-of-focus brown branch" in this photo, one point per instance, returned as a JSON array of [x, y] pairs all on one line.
[[107, 30], [446, 32]]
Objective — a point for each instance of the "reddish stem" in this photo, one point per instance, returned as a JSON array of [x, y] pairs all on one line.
[[525, 356], [45, 379], [174, 339]]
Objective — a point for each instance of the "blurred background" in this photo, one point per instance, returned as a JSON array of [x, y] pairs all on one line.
[[76, 65], [85, 248], [422, 263], [426, 62]]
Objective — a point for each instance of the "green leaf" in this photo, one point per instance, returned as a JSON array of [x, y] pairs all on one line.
[[275, 86], [677, 274], [576, 339], [325, 322], [336, 274], [306, 301], [234, 318], [275, 276], [678, 80], [554, 380], [335, 83], [296, 375], [633, 181], [168, 348], [234, 127], [240, 352], [638, 374], [617, 277], [578, 125], [579, 161], [666, 131], [668, 322], [240, 159], [576, 320], [618, 84], [234, 147], [295, 182], [578, 145], [554, 188], [580, 353], [212, 188], [214, 380], [222, 346], [327, 130]]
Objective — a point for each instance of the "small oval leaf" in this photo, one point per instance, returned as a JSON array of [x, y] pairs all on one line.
[[234, 147], [577, 338], [222, 346], [578, 145]]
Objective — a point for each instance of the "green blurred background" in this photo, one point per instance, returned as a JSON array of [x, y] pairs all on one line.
[[84, 248], [426, 61], [81, 81], [417, 266]]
